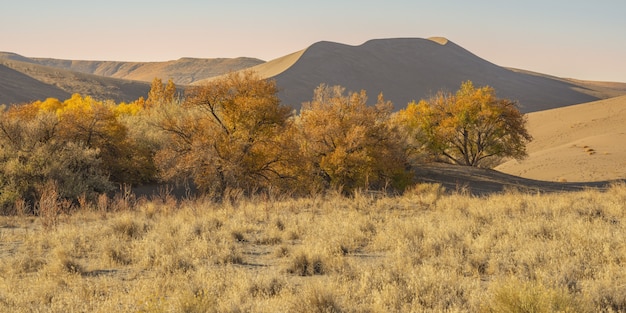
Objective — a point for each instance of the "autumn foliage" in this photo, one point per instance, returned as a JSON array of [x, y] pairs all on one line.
[[234, 135], [226, 134], [472, 127], [348, 145]]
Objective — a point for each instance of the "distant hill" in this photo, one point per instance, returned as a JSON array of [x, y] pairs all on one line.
[[183, 71], [407, 69], [16, 87], [25, 82]]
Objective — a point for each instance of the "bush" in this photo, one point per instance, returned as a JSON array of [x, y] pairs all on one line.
[[32, 157]]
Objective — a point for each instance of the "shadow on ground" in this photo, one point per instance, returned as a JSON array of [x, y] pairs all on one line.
[[480, 181]]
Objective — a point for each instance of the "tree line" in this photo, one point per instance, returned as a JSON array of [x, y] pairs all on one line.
[[234, 133]]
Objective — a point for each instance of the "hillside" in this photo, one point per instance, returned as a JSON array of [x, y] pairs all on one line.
[[582, 142], [407, 69], [183, 71], [16, 87], [24, 82]]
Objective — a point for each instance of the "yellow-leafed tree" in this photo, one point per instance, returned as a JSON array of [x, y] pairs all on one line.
[[97, 125], [160, 93], [33, 155], [348, 145], [226, 134], [472, 127]]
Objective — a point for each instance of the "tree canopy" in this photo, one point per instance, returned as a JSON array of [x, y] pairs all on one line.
[[226, 134], [472, 127], [349, 145]]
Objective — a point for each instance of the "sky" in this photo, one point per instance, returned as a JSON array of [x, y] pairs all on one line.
[[574, 39]]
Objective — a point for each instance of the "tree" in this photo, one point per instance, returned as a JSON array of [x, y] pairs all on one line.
[[32, 154], [348, 145], [227, 134], [160, 93], [98, 125], [472, 127], [95, 124]]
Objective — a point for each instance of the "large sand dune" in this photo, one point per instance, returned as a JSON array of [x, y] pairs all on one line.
[[407, 69], [583, 142]]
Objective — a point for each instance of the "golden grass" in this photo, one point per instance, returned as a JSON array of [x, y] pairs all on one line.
[[421, 252]]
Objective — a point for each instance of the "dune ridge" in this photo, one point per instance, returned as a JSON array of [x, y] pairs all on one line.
[[279, 65], [440, 40], [407, 69]]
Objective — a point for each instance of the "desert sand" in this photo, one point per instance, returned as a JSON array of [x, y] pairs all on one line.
[[277, 66], [585, 142]]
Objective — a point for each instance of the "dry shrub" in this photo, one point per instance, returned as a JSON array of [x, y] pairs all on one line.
[[102, 203], [63, 263], [23, 265], [127, 228], [304, 264], [269, 239], [197, 302], [228, 254], [49, 205], [124, 200], [516, 296], [282, 251], [119, 254], [317, 299], [266, 287]]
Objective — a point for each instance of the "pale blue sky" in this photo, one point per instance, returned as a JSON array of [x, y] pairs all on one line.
[[580, 39]]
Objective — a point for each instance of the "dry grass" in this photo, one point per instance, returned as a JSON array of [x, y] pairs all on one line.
[[421, 252]]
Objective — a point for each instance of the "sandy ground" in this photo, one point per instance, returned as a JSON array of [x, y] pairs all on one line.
[[585, 142]]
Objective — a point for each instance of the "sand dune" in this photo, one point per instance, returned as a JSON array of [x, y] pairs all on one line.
[[407, 69], [576, 143]]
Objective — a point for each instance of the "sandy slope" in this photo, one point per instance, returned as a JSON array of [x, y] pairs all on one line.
[[585, 142], [277, 66]]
